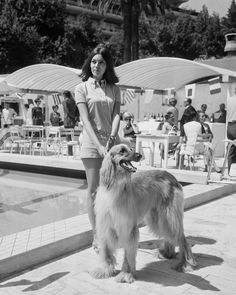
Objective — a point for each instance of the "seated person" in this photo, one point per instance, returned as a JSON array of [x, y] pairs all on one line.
[[189, 144], [169, 128], [220, 115], [130, 129], [203, 110]]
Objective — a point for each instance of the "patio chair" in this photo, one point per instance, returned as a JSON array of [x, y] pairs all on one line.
[[65, 144], [17, 141], [49, 143], [192, 151]]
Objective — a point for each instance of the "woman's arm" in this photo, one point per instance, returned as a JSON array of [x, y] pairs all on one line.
[[135, 128], [116, 119], [84, 115]]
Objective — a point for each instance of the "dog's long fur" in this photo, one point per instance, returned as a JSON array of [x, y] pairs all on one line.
[[124, 199]]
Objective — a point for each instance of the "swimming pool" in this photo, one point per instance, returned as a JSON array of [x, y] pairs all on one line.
[[28, 200]]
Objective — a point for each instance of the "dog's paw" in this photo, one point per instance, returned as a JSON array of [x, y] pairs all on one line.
[[162, 254], [100, 273], [125, 277], [167, 254], [185, 267]]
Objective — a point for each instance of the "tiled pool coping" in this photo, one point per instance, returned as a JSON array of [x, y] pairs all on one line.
[[38, 245]]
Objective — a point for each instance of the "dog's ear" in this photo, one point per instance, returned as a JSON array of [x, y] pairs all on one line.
[[107, 171]]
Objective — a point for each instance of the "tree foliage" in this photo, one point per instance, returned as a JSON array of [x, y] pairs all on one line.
[[182, 36], [37, 31], [229, 22]]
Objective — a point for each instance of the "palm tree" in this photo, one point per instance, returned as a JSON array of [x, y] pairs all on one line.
[[131, 10]]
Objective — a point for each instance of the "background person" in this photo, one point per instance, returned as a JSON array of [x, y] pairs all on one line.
[[173, 109], [203, 111], [191, 131], [37, 112], [231, 129], [8, 115], [206, 130], [71, 115], [130, 129], [55, 116], [220, 115], [98, 100], [169, 127], [189, 112], [27, 115]]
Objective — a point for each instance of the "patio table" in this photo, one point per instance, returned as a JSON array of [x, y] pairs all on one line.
[[154, 139]]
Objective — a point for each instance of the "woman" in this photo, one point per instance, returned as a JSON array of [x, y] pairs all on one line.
[[37, 112], [98, 101], [27, 115], [169, 128], [207, 133], [55, 116], [130, 129]]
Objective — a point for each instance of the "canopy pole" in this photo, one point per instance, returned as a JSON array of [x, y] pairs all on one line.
[[47, 121], [138, 105]]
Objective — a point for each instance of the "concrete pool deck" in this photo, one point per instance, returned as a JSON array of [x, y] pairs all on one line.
[[23, 250], [37, 245], [70, 167], [210, 229]]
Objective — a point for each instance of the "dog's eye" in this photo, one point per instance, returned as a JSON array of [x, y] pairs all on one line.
[[123, 150]]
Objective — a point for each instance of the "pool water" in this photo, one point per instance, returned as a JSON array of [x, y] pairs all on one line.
[[28, 200]]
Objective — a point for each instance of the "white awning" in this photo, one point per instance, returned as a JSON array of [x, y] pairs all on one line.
[[45, 78], [166, 72], [154, 73], [5, 88]]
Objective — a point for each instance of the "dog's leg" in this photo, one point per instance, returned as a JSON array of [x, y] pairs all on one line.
[[175, 234], [154, 223], [167, 251], [108, 263], [169, 221], [187, 260], [127, 274]]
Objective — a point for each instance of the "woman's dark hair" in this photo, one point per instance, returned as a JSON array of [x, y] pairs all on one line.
[[189, 100], [67, 93], [109, 75]]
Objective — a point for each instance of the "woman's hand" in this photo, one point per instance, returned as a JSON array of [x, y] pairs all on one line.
[[110, 143], [102, 150]]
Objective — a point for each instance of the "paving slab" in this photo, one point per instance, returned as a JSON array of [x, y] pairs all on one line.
[[209, 229], [62, 237], [38, 245]]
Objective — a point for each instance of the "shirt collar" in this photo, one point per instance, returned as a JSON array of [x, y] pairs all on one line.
[[96, 84]]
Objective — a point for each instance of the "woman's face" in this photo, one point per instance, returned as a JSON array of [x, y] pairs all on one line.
[[98, 67]]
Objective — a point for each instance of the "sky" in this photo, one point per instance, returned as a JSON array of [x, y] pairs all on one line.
[[219, 6]]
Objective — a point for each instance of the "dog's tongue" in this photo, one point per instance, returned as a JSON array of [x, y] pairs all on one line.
[[128, 166]]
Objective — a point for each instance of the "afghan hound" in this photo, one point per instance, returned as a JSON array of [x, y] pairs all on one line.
[[124, 199]]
